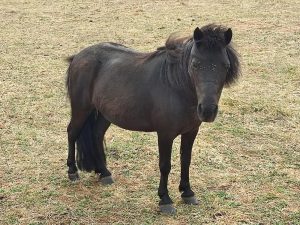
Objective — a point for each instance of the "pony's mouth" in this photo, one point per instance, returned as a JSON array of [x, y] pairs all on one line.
[[207, 113]]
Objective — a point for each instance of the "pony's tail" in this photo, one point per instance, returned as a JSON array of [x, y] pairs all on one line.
[[68, 77], [86, 147]]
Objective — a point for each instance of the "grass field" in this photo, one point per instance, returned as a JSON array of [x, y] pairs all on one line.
[[246, 165]]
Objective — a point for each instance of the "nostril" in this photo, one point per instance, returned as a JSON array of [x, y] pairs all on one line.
[[207, 112]]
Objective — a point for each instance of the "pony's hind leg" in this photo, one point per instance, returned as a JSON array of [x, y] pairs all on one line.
[[99, 131], [77, 121]]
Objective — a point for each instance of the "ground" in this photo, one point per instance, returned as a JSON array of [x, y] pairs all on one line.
[[246, 165]]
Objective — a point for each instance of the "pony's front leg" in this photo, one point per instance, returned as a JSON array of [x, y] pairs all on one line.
[[187, 141], [165, 149]]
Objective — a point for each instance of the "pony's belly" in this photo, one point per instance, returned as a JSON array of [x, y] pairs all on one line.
[[134, 124], [125, 109], [127, 116]]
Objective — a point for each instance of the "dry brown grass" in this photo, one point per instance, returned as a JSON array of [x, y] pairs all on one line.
[[246, 165]]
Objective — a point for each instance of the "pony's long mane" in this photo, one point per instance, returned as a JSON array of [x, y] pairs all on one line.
[[235, 69], [175, 69]]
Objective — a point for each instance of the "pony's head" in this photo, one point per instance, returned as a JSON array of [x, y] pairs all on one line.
[[213, 64]]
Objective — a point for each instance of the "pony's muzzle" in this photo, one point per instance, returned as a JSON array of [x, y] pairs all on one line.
[[207, 113]]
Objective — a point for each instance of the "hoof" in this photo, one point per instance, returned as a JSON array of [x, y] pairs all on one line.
[[106, 180], [167, 209], [190, 200], [73, 176]]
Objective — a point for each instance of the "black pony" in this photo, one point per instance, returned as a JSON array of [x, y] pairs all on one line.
[[170, 91]]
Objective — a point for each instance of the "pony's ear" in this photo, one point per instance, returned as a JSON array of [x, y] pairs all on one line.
[[198, 35], [228, 36]]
